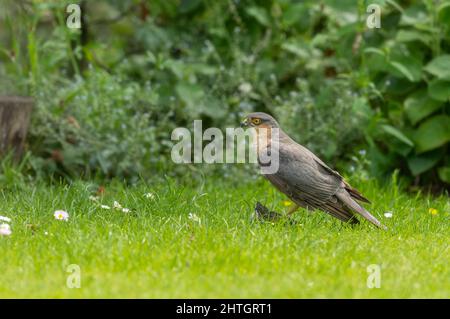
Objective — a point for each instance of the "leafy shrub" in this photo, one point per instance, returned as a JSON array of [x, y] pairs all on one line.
[[410, 67], [102, 125], [110, 94]]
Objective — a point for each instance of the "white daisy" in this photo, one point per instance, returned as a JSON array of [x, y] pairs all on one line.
[[125, 210], [61, 215], [388, 214], [116, 205], [5, 230], [5, 219], [105, 207], [194, 218], [149, 195], [94, 198]]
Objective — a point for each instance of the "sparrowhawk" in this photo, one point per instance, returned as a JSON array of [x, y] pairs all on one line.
[[306, 179]]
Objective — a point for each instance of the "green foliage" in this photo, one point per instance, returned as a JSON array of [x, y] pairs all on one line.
[[109, 95], [85, 130], [410, 67]]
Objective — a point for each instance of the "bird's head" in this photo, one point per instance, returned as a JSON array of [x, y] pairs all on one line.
[[259, 120]]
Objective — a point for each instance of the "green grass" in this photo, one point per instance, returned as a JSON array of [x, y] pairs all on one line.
[[157, 251]]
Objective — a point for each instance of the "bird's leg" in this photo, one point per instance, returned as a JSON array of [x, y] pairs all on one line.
[[292, 210]]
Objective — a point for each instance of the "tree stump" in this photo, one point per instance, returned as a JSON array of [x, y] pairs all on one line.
[[15, 115]]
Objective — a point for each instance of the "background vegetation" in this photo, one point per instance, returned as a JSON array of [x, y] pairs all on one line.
[[108, 95]]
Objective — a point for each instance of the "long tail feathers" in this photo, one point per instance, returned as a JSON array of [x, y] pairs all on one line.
[[346, 198], [355, 193], [340, 212]]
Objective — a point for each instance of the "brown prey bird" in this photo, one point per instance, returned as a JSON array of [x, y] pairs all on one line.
[[305, 178]]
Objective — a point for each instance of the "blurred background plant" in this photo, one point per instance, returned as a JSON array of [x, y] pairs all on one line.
[[109, 94]]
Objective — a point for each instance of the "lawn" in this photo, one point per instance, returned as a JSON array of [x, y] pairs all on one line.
[[199, 241]]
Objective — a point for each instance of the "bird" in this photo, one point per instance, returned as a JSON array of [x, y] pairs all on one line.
[[305, 179]]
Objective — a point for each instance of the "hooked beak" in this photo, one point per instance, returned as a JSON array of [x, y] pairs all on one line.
[[244, 123]]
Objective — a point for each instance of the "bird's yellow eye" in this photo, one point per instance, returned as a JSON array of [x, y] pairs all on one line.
[[256, 121]]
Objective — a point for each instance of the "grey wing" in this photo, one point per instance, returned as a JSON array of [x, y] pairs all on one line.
[[285, 187], [354, 193], [308, 183]]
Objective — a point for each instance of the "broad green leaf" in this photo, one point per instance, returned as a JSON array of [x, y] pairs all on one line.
[[260, 14], [444, 13], [381, 160], [419, 164], [375, 51], [151, 57], [296, 49], [397, 134], [419, 105], [403, 70], [202, 68], [414, 15], [376, 62], [177, 67], [440, 67], [444, 174], [409, 68], [413, 35], [398, 147], [395, 85], [395, 5], [295, 14], [432, 133], [320, 39], [439, 90]]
